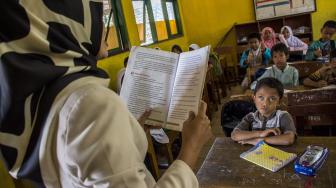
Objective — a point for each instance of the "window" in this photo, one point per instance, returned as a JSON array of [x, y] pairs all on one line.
[[115, 28], [157, 20]]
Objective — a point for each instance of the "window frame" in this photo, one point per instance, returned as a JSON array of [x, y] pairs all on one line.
[[120, 26], [148, 5]]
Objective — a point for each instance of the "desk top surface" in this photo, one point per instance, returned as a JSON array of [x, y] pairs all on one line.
[[224, 168]]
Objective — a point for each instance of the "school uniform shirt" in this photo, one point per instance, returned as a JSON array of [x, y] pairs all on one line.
[[254, 121], [288, 77], [324, 46], [259, 57], [327, 74], [94, 141]]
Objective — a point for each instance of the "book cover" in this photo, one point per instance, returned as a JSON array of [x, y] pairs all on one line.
[[268, 157]]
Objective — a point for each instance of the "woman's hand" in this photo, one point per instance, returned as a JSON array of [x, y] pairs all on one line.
[[195, 133]]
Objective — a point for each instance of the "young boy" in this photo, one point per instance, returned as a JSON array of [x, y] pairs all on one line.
[[273, 126], [287, 75], [255, 57], [325, 46], [323, 77]]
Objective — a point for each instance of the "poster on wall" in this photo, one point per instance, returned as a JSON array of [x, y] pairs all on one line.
[[266, 9]]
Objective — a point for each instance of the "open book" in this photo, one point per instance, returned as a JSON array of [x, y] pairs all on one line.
[[268, 157], [168, 83]]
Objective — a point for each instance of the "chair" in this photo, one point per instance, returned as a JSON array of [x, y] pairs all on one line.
[[229, 76], [233, 112], [153, 162], [211, 97]]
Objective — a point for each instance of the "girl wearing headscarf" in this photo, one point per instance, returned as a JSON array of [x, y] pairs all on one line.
[[268, 37], [291, 41], [60, 126]]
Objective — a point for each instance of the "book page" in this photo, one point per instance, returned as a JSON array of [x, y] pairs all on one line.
[[148, 83], [188, 86]]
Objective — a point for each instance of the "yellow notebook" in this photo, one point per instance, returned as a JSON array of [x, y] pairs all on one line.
[[268, 157]]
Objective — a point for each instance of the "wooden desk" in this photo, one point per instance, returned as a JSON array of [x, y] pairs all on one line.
[[224, 168], [305, 68], [312, 108]]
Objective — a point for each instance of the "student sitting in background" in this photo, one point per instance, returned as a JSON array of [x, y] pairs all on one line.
[[324, 46], [273, 126], [291, 41], [254, 58], [288, 75], [176, 49], [120, 75], [268, 37], [323, 77]]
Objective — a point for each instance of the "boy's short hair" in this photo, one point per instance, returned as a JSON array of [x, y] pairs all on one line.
[[125, 61], [280, 47], [329, 24], [271, 83], [176, 47], [254, 36]]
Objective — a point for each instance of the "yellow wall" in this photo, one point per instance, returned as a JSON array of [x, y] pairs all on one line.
[[114, 63], [325, 11], [207, 21]]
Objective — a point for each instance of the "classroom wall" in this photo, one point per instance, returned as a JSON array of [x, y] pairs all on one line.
[[325, 11], [205, 22], [208, 21], [114, 63]]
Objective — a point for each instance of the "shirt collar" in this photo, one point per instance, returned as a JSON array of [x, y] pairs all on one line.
[[262, 118], [277, 69]]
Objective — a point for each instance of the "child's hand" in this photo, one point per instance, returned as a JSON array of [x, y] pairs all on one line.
[[322, 83], [262, 47], [267, 132], [249, 58], [318, 52]]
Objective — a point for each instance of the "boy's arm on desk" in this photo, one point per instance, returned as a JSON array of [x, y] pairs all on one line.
[[239, 135], [287, 138]]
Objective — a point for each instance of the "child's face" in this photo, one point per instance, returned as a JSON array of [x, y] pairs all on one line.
[[254, 43], [280, 60], [327, 33], [266, 100], [175, 50], [286, 33], [268, 35]]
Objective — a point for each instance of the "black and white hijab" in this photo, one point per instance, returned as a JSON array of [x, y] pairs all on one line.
[[44, 46]]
